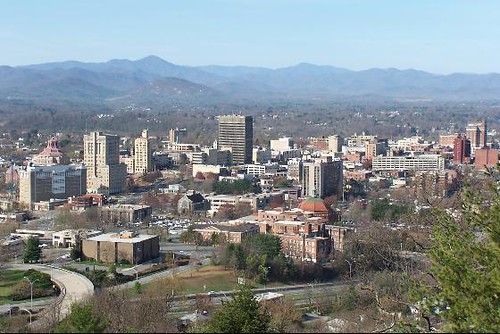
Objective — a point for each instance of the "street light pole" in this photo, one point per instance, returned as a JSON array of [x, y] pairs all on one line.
[[135, 270], [350, 268], [31, 289]]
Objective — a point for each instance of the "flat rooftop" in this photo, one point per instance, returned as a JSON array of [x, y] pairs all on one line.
[[115, 237]]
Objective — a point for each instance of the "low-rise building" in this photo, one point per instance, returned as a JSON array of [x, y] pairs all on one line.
[[72, 237], [40, 234], [86, 201], [303, 248], [121, 247], [338, 235], [233, 233], [419, 163], [125, 213], [193, 204]]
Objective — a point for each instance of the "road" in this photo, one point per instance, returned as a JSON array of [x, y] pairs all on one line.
[[159, 275], [193, 251], [74, 287]]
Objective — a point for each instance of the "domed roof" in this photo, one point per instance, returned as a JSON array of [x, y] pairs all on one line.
[[313, 204]]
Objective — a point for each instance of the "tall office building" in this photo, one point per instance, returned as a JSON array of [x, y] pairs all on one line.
[[176, 136], [43, 183], [477, 133], [322, 178], [105, 174], [335, 143], [236, 132], [461, 150], [143, 154]]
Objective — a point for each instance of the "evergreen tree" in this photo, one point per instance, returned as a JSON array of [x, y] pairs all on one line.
[[240, 315], [82, 320], [465, 257], [31, 251]]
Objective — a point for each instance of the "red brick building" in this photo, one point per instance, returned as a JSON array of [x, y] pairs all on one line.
[[302, 231], [461, 150], [233, 233], [485, 157]]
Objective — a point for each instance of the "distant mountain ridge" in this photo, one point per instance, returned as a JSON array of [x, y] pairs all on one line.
[[154, 80]]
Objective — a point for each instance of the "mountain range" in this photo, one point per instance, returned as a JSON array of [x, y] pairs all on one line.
[[152, 80]]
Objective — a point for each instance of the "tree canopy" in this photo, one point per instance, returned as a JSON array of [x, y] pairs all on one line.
[[31, 251], [82, 320], [237, 187], [465, 255], [240, 315]]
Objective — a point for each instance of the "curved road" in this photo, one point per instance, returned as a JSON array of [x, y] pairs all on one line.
[[77, 287]]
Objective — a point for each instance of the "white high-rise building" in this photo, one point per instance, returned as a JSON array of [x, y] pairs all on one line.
[[143, 154]]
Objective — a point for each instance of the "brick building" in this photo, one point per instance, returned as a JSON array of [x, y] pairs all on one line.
[[124, 246], [233, 233]]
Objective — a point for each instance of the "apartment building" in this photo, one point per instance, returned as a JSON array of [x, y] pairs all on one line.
[[105, 174], [143, 154], [322, 178], [303, 248]]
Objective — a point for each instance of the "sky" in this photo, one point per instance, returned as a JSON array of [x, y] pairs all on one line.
[[438, 36]]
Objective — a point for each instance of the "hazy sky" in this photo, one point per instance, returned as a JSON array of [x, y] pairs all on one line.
[[439, 36]]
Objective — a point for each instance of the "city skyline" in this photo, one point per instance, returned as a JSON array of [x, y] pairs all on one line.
[[438, 37]]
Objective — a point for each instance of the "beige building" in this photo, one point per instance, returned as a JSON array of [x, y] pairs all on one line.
[[45, 183], [125, 213], [105, 174], [119, 247], [477, 133], [72, 238], [374, 149], [447, 140], [143, 154], [335, 143]]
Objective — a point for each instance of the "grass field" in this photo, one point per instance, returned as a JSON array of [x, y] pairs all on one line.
[[208, 278], [8, 281], [215, 278], [202, 280]]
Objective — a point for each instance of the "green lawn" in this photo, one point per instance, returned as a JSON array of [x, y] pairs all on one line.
[[8, 281]]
